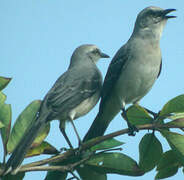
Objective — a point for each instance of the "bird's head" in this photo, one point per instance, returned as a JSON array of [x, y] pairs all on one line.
[[87, 52], [153, 19]]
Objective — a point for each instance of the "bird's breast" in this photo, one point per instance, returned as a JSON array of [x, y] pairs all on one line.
[[137, 78], [85, 106]]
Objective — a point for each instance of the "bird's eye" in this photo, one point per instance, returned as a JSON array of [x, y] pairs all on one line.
[[96, 51], [154, 14]]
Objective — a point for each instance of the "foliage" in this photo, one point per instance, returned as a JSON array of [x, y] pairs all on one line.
[[99, 157]]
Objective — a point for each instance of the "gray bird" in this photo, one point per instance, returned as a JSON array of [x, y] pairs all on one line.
[[133, 70], [73, 95]]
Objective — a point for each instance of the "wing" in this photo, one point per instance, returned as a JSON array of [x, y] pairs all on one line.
[[117, 64], [160, 69], [73, 87]]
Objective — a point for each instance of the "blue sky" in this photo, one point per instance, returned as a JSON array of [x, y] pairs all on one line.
[[37, 38]]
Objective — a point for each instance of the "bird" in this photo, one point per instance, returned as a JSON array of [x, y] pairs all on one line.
[[73, 95], [132, 71]]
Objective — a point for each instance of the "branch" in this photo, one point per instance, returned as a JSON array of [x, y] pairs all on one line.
[[66, 168], [35, 166], [44, 168]]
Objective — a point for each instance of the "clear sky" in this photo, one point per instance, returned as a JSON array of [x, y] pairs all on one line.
[[37, 38]]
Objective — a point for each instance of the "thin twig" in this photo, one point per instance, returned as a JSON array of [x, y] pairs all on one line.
[[44, 168], [36, 165], [98, 140], [56, 158], [66, 168], [113, 149]]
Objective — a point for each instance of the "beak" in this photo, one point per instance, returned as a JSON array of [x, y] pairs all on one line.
[[167, 11], [103, 55]]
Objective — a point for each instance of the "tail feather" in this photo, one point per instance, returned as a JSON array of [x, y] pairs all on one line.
[[97, 129], [102, 121], [23, 146]]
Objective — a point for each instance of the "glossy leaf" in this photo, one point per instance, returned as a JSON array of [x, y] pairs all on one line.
[[138, 115], [115, 163], [177, 122], [41, 135], [177, 116], [18, 176], [168, 159], [1, 125], [4, 82], [43, 148], [5, 119], [176, 142], [166, 172], [23, 121], [55, 175], [52, 175], [86, 173], [110, 143], [175, 105], [150, 152]]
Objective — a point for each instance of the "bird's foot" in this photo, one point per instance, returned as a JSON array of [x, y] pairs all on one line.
[[132, 130], [79, 150], [80, 143], [63, 149]]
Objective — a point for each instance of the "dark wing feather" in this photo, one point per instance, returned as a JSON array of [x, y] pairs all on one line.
[[160, 69], [72, 88], [117, 64]]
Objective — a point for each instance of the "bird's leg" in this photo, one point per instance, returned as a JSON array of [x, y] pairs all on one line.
[[77, 134], [132, 128], [62, 129]]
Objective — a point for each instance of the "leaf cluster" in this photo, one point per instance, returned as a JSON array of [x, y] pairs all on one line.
[[99, 156]]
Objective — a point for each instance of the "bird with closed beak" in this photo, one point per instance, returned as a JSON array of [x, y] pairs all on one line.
[[73, 95]]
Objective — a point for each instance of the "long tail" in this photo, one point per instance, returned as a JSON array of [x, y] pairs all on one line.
[[21, 149], [102, 120]]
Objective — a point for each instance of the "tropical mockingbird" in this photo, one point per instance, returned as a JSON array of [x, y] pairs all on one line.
[[73, 95], [133, 70]]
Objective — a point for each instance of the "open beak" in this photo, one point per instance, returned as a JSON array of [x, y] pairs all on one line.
[[167, 11], [103, 55]]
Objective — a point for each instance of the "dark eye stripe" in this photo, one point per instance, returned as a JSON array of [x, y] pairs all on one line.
[[96, 51]]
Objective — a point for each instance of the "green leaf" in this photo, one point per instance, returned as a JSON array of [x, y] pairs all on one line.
[[43, 148], [177, 116], [150, 152], [18, 176], [5, 119], [22, 123], [52, 175], [176, 142], [177, 122], [166, 172], [138, 115], [175, 105], [1, 125], [4, 82], [110, 143], [86, 173], [168, 159], [41, 136], [55, 175], [115, 163]]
